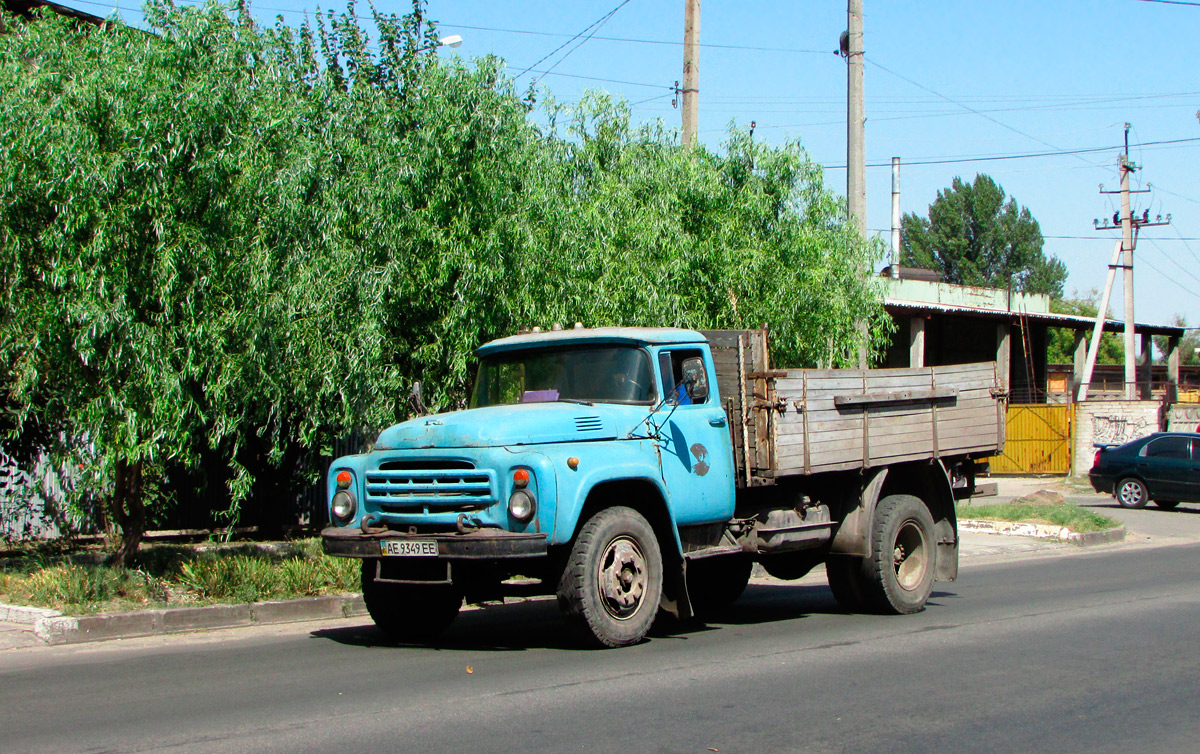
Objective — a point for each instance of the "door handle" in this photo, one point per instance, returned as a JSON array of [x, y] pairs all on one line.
[[717, 422]]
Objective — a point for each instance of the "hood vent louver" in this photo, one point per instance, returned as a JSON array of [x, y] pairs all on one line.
[[588, 424]]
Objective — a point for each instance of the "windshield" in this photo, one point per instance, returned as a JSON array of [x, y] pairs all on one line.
[[600, 374]]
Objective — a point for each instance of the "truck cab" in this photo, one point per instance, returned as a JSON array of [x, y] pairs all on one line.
[[560, 424]]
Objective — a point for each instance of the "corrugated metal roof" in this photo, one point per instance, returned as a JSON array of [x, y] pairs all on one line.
[[1073, 321]]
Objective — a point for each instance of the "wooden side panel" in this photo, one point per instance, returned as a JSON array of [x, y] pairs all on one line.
[[804, 421]]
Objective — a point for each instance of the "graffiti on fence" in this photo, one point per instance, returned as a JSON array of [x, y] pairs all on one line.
[[1119, 429]]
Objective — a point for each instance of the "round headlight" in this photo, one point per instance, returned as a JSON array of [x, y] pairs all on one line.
[[521, 505], [343, 506]]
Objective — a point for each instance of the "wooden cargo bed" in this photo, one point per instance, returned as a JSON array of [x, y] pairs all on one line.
[[807, 421]]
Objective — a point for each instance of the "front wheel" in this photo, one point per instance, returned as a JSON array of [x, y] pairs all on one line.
[[613, 579], [1131, 493]]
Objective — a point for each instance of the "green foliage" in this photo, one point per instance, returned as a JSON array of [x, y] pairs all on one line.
[[1061, 342], [173, 576], [223, 247], [1187, 344], [974, 237]]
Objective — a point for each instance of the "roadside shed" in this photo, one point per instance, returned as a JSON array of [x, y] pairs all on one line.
[[941, 323]]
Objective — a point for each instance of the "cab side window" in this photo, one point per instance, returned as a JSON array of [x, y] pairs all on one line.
[[684, 376]]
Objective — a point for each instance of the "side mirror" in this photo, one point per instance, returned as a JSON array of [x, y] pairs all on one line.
[[695, 378]]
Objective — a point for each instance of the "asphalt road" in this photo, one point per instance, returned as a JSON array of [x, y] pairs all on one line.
[[1059, 651]]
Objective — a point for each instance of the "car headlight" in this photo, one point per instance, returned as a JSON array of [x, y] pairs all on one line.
[[521, 505], [343, 506]]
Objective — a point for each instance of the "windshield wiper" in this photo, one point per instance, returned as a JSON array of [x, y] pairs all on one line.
[[578, 401]]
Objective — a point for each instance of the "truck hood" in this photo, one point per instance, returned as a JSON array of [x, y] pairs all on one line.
[[523, 424]]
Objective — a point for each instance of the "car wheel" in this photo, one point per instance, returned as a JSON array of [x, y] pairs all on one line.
[[1131, 493], [1166, 504]]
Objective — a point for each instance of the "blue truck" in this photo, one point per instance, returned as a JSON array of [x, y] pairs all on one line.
[[636, 472]]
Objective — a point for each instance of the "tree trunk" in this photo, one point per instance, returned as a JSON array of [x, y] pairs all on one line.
[[128, 511]]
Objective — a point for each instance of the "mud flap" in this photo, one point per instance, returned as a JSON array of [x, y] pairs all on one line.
[[675, 601]]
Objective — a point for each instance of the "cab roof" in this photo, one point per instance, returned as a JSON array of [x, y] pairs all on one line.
[[591, 335]]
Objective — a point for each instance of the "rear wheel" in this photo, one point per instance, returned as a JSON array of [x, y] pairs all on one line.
[[612, 582], [1166, 504], [1131, 493], [899, 573], [409, 612], [714, 583]]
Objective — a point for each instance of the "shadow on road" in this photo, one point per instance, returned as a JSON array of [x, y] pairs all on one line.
[[537, 624]]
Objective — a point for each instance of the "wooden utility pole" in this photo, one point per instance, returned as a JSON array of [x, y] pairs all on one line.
[[856, 170], [690, 94]]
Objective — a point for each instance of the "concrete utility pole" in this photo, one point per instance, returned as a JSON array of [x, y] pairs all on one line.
[[1129, 226], [856, 169], [690, 94], [895, 267], [1128, 167]]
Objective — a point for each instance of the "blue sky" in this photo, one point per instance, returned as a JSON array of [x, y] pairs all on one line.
[[947, 83]]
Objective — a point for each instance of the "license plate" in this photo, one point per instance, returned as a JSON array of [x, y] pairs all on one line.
[[408, 548]]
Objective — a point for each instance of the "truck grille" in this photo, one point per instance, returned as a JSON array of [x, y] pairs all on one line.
[[430, 487]]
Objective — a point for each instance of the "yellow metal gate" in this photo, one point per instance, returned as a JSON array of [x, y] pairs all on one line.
[[1037, 440]]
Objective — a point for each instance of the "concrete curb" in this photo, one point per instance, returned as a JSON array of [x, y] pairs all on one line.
[[1043, 531], [25, 615], [55, 628]]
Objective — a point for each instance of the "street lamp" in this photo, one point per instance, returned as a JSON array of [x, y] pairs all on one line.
[[454, 40]]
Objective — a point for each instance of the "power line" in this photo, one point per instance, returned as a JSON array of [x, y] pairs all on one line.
[[1171, 260], [597, 78], [592, 27], [968, 107], [1023, 156], [1172, 2], [631, 40]]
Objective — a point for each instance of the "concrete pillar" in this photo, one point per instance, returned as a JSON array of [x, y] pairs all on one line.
[[1081, 345], [1004, 353], [1144, 364], [1173, 368], [916, 342]]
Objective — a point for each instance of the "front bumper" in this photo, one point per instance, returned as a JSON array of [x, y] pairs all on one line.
[[481, 544]]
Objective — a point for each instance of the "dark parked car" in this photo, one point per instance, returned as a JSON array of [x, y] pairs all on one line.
[[1163, 467]]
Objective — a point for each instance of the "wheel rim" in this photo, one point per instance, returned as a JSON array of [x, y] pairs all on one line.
[[622, 578], [910, 556], [1131, 493]]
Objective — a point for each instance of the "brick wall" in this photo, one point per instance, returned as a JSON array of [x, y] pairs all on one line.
[[1183, 417], [1111, 422]]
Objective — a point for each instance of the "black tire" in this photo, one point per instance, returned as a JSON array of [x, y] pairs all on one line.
[[899, 573], [612, 582], [1130, 492], [846, 581], [409, 612], [716, 583], [1166, 504]]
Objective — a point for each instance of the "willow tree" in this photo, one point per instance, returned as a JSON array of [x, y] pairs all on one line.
[[223, 246]]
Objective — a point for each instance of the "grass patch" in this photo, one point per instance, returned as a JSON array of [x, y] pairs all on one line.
[[173, 576], [1072, 516]]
